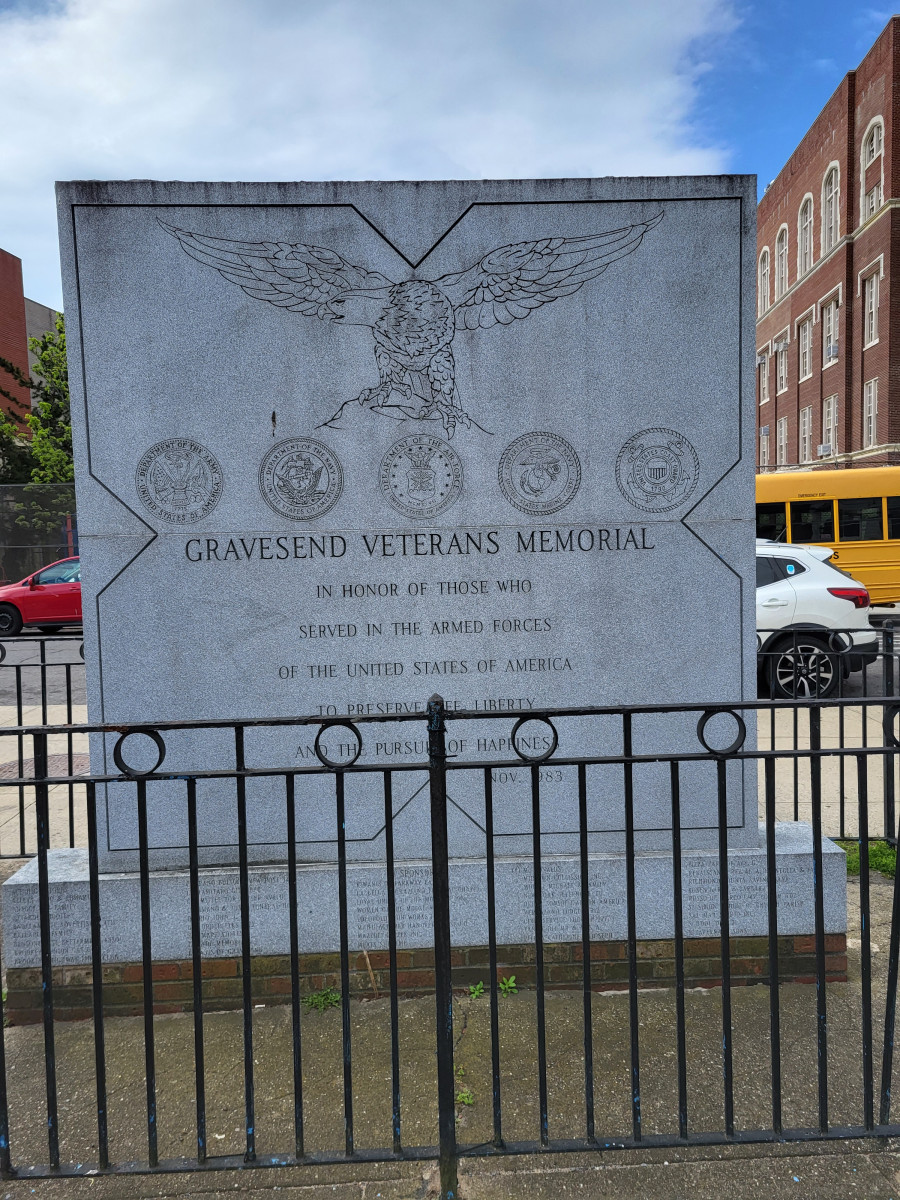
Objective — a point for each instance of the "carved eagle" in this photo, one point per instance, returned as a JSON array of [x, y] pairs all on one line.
[[414, 322]]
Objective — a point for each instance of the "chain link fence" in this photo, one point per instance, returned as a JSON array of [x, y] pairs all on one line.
[[38, 525]]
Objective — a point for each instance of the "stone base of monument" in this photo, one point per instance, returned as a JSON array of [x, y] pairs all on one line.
[[173, 982], [318, 920]]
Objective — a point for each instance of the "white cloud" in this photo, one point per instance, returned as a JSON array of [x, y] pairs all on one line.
[[344, 89]]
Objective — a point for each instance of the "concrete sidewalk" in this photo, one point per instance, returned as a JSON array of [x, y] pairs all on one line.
[[837, 1169], [829, 1172]]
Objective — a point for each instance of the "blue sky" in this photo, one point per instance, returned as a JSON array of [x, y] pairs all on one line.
[[769, 78], [409, 89]]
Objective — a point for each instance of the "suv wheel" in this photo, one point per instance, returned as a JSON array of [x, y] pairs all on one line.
[[804, 669], [10, 620]]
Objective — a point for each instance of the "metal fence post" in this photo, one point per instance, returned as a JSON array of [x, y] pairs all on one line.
[[443, 993], [887, 663]]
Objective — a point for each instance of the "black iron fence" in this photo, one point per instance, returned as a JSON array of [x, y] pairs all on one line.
[[663, 1065], [42, 682]]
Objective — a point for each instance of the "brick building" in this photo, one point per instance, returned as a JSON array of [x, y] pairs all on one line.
[[828, 281], [20, 319]]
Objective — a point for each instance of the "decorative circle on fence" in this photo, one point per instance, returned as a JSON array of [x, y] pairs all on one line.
[[81, 651], [721, 712], [887, 723], [324, 759], [123, 766], [837, 643], [2, 652], [535, 758]]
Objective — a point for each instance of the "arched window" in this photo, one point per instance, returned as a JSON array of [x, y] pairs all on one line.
[[874, 143], [781, 262], [831, 220], [804, 236], [762, 282], [872, 173]]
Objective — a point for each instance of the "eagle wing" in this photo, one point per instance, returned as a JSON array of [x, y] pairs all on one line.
[[294, 276], [513, 280]]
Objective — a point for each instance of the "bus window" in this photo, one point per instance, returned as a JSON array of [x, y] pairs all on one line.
[[893, 514], [860, 520], [812, 521], [771, 521]]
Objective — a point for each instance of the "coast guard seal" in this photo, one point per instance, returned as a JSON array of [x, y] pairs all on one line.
[[657, 469], [421, 476], [539, 473], [179, 480], [300, 478]]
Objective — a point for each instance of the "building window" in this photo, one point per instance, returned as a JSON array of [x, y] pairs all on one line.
[[781, 365], [804, 341], [781, 264], [870, 413], [763, 377], [806, 434], [804, 237], [781, 442], [830, 211], [873, 144], [762, 293], [872, 201], [829, 425], [764, 446], [870, 310], [829, 333]]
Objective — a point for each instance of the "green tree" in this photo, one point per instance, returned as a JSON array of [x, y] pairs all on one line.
[[44, 504], [15, 447]]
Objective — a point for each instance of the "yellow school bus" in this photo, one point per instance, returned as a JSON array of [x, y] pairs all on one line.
[[855, 511]]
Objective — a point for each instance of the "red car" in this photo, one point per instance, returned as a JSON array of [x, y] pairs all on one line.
[[50, 598]]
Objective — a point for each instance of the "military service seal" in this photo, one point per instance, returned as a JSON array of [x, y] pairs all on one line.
[[300, 478], [657, 469], [539, 473], [421, 476], [179, 480]]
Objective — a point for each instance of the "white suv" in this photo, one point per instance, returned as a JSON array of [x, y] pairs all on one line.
[[812, 621]]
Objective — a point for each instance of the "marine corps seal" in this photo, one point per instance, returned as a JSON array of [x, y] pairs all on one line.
[[179, 480], [300, 478], [539, 473], [657, 469], [421, 476]]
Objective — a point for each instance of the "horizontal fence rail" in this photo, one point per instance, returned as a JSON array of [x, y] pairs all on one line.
[[42, 683], [641, 1015]]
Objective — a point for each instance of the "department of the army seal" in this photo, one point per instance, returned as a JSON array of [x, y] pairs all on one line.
[[179, 480], [300, 478], [539, 473], [421, 476], [657, 469]]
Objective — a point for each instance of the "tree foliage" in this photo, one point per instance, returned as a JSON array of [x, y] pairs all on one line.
[[44, 461]]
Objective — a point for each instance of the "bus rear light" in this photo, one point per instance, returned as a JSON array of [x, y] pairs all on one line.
[[857, 596]]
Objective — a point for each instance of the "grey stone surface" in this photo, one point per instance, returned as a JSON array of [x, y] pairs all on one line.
[[570, 523], [317, 889]]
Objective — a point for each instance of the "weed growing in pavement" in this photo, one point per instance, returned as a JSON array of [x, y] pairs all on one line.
[[882, 857], [328, 997], [466, 1097], [507, 985], [476, 990]]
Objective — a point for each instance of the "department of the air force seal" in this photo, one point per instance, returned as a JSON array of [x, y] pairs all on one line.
[[421, 476], [300, 478], [179, 480], [539, 473], [657, 469]]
